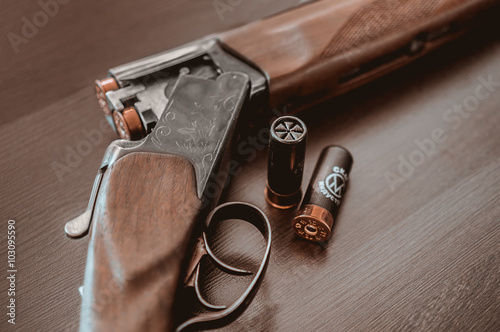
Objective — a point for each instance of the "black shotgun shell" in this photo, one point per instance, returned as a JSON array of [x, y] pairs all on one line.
[[287, 149], [321, 203]]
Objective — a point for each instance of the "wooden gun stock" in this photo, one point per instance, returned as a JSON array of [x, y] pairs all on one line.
[[326, 48], [143, 221]]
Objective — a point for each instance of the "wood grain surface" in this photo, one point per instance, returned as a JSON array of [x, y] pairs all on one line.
[[420, 252], [140, 234], [329, 47]]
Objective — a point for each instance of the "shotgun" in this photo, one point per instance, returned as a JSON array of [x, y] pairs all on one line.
[[177, 114]]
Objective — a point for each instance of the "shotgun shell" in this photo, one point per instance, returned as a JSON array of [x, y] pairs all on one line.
[[101, 87], [128, 124], [321, 203], [287, 148]]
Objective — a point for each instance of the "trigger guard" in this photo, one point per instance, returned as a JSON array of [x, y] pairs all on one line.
[[255, 216]]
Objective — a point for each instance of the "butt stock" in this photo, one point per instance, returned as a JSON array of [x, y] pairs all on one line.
[[140, 234]]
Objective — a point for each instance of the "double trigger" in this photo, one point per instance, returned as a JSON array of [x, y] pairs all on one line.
[[227, 211]]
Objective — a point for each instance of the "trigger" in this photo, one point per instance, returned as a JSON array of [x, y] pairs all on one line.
[[80, 226], [220, 263]]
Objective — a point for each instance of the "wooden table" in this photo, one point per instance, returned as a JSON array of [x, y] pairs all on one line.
[[417, 242]]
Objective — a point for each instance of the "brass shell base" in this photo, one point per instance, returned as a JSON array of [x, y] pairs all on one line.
[[313, 223], [282, 202], [128, 124], [103, 86]]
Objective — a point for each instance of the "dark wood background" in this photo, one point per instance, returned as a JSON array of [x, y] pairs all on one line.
[[424, 255]]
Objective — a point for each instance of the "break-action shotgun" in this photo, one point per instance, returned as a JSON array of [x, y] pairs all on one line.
[[176, 113]]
